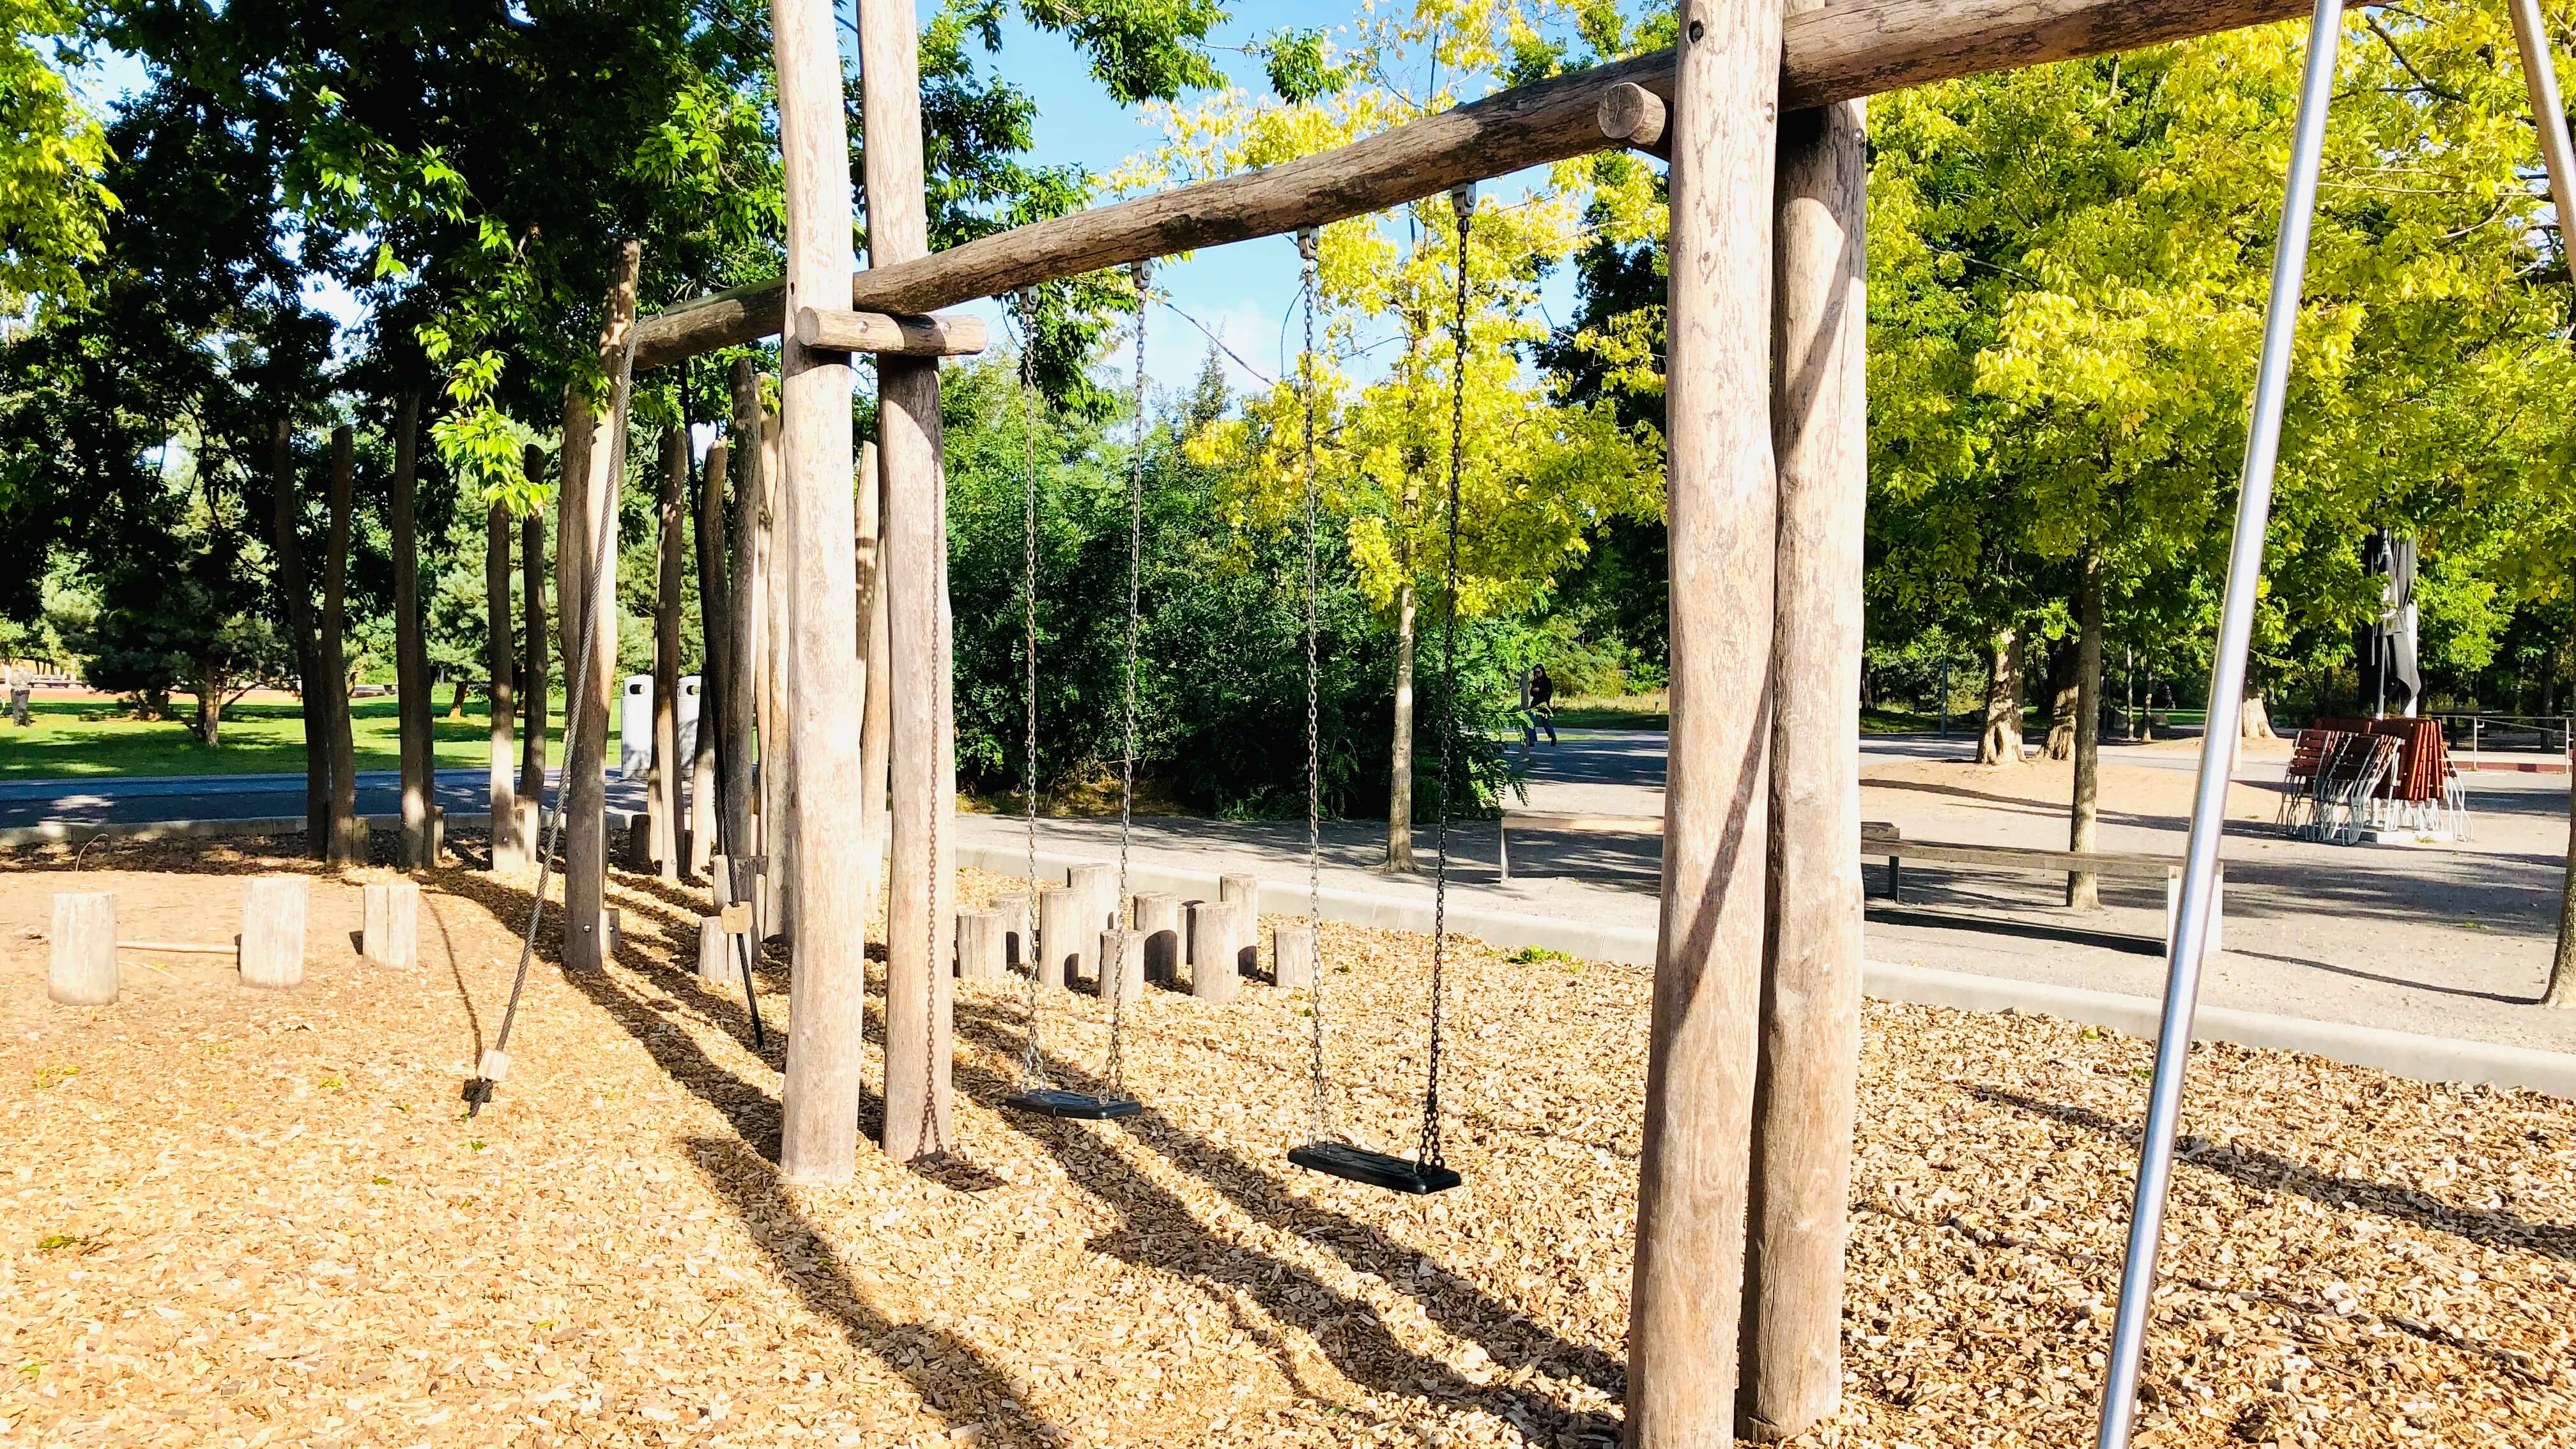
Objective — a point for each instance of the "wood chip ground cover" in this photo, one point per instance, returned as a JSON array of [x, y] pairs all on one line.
[[237, 1217]]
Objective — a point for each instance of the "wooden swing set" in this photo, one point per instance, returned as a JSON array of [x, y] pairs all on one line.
[[1737, 1295]]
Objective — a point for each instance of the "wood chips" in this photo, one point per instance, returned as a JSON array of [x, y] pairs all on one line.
[[237, 1217]]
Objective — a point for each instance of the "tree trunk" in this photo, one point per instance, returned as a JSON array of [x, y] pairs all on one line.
[[210, 708], [1399, 790], [736, 697], [296, 584], [411, 652], [590, 546], [2562, 964], [714, 624], [509, 852], [348, 833], [1693, 1177], [827, 1006], [922, 752], [1806, 1092], [2063, 690], [662, 797], [2083, 890], [457, 689], [2001, 742], [2258, 717], [536, 703]]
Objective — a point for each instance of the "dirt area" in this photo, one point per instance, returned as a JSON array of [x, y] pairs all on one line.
[[238, 1217]]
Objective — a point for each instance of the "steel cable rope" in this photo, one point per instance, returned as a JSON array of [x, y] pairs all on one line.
[[479, 1090]]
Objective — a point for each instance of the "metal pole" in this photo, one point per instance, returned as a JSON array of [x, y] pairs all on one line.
[[2217, 743], [2556, 152]]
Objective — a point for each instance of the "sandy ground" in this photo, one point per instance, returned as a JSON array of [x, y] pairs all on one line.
[[239, 1217]]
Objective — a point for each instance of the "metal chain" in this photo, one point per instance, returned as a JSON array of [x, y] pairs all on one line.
[[1462, 200], [1319, 1087], [1113, 975], [933, 969], [606, 522], [1033, 1072]]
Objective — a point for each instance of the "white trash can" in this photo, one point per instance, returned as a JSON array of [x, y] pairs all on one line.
[[635, 726]]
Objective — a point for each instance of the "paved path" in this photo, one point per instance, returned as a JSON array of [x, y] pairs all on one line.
[[137, 799]]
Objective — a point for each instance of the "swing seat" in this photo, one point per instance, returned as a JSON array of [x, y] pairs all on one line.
[[1078, 1106], [1376, 1169]]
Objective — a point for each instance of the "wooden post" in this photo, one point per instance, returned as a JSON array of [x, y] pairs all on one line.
[[662, 785], [828, 989], [534, 705], [1217, 936], [1244, 889], [736, 695], [272, 933], [1805, 1094], [1158, 920], [1687, 1296], [980, 947], [923, 762], [1014, 906], [1067, 930], [348, 835], [411, 651], [295, 583], [777, 627], [509, 852], [715, 630], [715, 952], [590, 531], [1292, 956], [876, 705], [1097, 884], [83, 972], [1122, 965], [392, 932]]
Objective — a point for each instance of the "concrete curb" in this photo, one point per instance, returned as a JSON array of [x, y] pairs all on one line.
[[2404, 1054]]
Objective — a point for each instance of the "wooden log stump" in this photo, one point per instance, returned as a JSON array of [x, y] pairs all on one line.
[[392, 933], [1218, 937], [272, 934], [1158, 920], [83, 972], [1066, 926], [1126, 978], [612, 933], [1097, 883], [1292, 956], [1238, 886], [980, 948], [1014, 906], [715, 951], [639, 842]]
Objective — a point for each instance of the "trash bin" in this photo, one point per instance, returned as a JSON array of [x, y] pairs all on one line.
[[635, 726]]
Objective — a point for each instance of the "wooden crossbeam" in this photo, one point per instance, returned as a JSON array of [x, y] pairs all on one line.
[[1834, 53], [951, 335]]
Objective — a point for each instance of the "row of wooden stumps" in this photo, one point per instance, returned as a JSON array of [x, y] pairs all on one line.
[[269, 950]]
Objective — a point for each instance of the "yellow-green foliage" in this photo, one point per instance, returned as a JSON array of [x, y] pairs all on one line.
[[53, 204]]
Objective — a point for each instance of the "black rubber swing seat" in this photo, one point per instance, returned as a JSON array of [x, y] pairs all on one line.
[[1078, 1106], [1376, 1169]]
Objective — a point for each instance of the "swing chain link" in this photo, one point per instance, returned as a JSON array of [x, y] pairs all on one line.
[[1033, 1072], [1113, 974], [1319, 1087], [1462, 200]]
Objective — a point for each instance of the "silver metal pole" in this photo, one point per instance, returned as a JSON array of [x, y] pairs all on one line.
[[2218, 742], [2556, 152]]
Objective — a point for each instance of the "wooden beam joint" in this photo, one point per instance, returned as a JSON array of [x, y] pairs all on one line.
[[1634, 116], [951, 335]]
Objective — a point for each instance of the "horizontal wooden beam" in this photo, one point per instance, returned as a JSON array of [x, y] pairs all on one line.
[[1832, 53], [952, 335]]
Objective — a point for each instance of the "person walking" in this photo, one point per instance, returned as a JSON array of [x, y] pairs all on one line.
[[22, 686], [1542, 708]]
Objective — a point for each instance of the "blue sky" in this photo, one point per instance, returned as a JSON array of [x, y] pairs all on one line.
[[1245, 294]]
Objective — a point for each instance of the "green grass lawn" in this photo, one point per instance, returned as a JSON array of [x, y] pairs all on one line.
[[1613, 712], [102, 738]]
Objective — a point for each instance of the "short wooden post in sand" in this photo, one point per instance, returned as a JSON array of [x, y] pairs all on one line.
[[715, 951], [979, 946], [1236, 886], [272, 934], [84, 965], [1014, 906], [1158, 920], [1097, 883], [1065, 925], [1217, 937], [1292, 956], [392, 934], [1126, 978]]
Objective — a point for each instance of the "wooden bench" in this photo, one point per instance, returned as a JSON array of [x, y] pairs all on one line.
[[1884, 841]]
